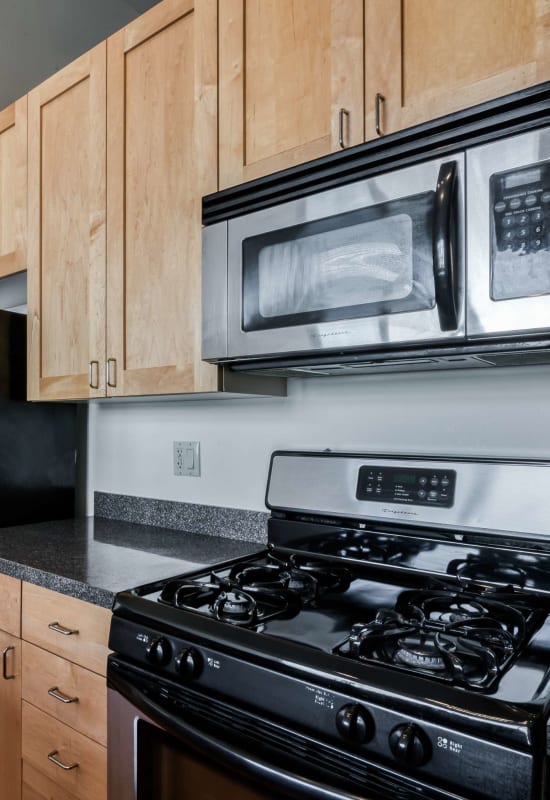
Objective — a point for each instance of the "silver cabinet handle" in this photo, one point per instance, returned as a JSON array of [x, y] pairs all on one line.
[[5, 652], [343, 113], [378, 100], [63, 698], [55, 626], [94, 367], [58, 763], [110, 383]]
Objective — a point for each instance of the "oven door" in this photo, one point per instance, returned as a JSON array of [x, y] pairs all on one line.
[[155, 753], [509, 236], [364, 265]]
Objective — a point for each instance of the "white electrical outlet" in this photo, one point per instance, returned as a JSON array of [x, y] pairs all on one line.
[[187, 458]]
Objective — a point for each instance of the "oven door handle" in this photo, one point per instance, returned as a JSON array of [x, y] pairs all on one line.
[[444, 247], [218, 751]]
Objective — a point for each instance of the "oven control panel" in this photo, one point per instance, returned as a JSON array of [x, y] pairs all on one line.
[[521, 208], [425, 487]]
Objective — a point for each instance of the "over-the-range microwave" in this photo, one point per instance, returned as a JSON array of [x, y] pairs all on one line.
[[426, 249]]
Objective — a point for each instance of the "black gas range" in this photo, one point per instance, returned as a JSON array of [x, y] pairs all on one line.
[[392, 641]]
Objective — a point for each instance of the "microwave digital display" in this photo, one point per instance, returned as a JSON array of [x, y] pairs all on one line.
[[516, 179]]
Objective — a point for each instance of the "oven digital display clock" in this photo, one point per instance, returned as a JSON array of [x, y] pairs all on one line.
[[412, 486]]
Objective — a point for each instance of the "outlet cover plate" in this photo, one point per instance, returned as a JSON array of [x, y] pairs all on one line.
[[187, 459]]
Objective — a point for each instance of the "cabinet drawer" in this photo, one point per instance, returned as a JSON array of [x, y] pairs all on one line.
[[44, 672], [43, 735], [37, 786], [10, 605], [66, 626]]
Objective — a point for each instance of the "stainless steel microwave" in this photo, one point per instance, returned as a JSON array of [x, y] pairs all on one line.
[[442, 263]]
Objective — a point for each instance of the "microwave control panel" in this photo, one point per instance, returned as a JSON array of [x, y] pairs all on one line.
[[521, 208], [423, 487], [520, 232]]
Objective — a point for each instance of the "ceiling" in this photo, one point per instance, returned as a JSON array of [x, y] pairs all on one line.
[[38, 37]]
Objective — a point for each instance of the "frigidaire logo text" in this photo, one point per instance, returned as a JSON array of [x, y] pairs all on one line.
[[400, 513], [330, 333]]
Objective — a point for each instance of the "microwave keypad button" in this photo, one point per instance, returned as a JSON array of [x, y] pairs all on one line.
[[538, 229], [545, 197], [444, 482], [434, 482], [538, 243], [537, 216], [523, 248], [500, 207], [509, 221], [531, 200], [515, 203], [421, 494], [523, 232], [523, 219], [422, 481], [509, 236], [433, 494]]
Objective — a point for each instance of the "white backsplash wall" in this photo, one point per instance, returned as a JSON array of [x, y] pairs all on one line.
[[500, 412]]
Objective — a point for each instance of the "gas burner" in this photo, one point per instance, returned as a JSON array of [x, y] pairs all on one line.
[[236, 607], [369, 546], [463, 637]]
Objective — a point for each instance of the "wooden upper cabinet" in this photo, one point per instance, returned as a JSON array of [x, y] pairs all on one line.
[[66, 231], [13, 187], [288, 69], [429, 58], [161, 159]]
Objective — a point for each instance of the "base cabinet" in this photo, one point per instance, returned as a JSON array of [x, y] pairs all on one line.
[[64, 708], [10, 711]]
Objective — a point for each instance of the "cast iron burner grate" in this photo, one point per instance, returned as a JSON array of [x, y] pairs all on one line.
[[255, 592], [463, 636]]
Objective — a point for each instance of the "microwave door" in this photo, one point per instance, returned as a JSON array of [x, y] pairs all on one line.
[[509, 236], [374, 263]]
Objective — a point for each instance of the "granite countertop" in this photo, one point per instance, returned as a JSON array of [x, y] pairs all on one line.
[[93, 558]]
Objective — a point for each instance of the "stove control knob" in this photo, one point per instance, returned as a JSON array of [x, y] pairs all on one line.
[[410, 745], [189, 663], [355, 724], [159, 651]]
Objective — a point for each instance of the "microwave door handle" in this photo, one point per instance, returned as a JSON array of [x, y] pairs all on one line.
[[444, 247], [220, 752]]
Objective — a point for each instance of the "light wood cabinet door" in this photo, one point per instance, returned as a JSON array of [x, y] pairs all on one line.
[[66, 231], [13, 188], [161, 159], [429, 58], [10, 605], [287, 68], [10, 711]]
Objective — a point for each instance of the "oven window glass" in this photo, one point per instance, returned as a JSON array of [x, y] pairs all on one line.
[[369, 262], [520, 232], [167, 771]]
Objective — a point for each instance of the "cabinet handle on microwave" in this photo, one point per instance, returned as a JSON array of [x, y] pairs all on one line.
[[58, 763], [378, 100], [94, 367], [5, 652], [63, 698], [342, 113], [444, 247], [110, 383], [55, 626]]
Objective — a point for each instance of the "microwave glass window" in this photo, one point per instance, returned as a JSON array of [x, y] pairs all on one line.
[[366, 263], [369, 262], [520, 232]]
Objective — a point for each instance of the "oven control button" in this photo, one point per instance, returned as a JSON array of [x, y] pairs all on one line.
[[159, 651], [410, 745], [355, 724], [189, 663]]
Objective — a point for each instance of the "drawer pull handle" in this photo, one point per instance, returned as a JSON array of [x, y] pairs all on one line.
[[5, 652], [58, 763], [55, 626], [63, 698]]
